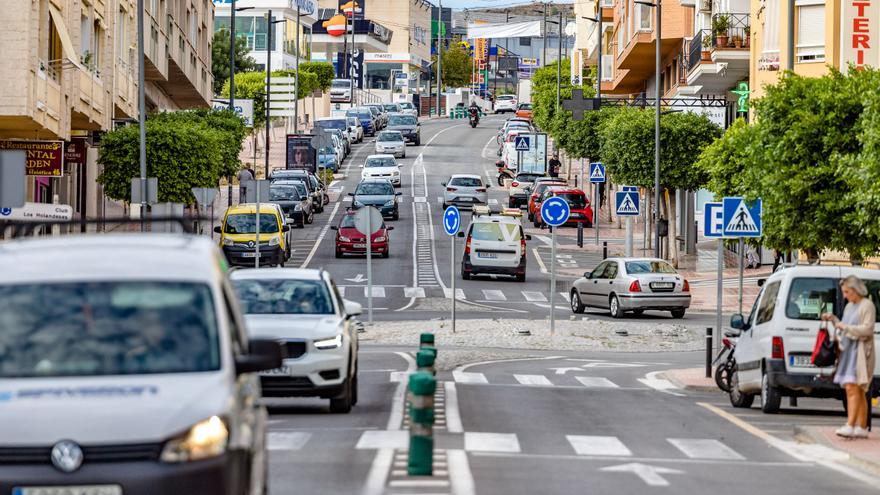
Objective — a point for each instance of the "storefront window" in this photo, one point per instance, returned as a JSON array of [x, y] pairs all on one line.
[[250, 27], [378, 75]]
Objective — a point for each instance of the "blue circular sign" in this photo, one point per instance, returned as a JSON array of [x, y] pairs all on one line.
[[555, 211], [5, 211], [451, 220]]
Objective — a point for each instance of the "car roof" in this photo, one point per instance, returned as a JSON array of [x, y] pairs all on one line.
[[276, 273], [291, 171], [465, 176], [381, 155], [252, 208], [390, 131], [824, 271], [496, 218], [374, 179], [568, 190], [134, 256], [624, 259], [322, 119]]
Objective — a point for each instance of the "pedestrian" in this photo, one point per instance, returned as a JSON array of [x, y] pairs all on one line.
[[245, 175], [554, 165], [777, 259], [855, 364]]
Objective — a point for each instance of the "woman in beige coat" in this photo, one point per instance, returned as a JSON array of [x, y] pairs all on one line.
[[855, 366]]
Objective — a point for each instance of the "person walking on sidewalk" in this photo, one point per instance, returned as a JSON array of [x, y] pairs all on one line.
[[244, 175], [855, 366], [554, 165]]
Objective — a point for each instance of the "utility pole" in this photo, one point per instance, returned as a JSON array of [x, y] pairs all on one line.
[[789, 64], [559, 61], [439, 56], [544, 38], [142, 114], [231, 83], [268, 82], [296, 98]]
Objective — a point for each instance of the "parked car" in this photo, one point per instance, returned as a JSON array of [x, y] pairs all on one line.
[[138, 375], [328, 157], [536, 191], [391, 142], [505, 103], [366, 118], [524, 111], [581, 211], [465, 190], [302, 310], [379, 114], [495, 244], [342, 137], [391, 108], [314, 193], [355, 129], [330, 123], [632, 284], [408, 125], [295, 203], [775, 344], [303, 174], [378, 193], [381, 167], [408, 108], [351, 241], [238, 235], [518, 194]]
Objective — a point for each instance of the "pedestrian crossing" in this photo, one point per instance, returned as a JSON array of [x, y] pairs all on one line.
[[553, 380], [580, 444], [475, 295]]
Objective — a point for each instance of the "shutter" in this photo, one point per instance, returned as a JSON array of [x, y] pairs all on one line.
[[771, 26], [811, 31]]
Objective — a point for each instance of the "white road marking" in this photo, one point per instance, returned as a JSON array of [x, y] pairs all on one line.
[[414, 292], [375, 484], [460, 473], [649, 474], [459, 294], [598, 445], [596, 382], [465, 377], [490, 442], [494, 295], [418, 483], [540, 261], [493, 201], [320, 237], [378, 291], [286, 440], [698, 448], [566, 296], [453, 416], [539, 380], [383, 439], [419, 199], [341, 289], [398, 376], [660, 384], [534, 296]]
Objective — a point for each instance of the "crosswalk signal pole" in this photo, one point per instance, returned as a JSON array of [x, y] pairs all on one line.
[[370, 267]]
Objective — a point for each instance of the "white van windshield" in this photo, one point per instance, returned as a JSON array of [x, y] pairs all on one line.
[[107, 328]]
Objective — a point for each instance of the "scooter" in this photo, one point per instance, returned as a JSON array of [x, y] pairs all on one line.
[[724, 370], [474, 118], [503, 172]]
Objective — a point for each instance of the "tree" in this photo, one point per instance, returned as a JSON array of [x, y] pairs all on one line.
[[184, 150], [324, 70], [252, 85], [220, 58], [456, 67]]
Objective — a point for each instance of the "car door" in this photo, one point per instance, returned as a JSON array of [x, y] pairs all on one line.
[[606, 285], [749, 351], [590, 286]]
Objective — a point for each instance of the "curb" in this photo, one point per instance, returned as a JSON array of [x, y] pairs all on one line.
[[808, 435], [685, 386]]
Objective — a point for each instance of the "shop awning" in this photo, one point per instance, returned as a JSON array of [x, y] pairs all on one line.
[[66, 42]]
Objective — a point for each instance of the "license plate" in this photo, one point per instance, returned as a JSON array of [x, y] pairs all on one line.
[[69, 490], [662, 285], [250, 255], [800, 361], [360, 246], [575, 215], [284, 370], [491, 256]]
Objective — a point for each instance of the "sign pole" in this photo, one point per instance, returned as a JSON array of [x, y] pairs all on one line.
[[740, 297], [452, 277], [552, 279], [369, 267], [257, 255], [628, 247], [719, 291], [597, 205], [519, 159]]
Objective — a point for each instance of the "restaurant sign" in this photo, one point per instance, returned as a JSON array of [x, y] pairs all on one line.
[[44, 158]]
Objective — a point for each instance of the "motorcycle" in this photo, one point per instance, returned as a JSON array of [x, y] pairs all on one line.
[[724, 371], [503, 172], [474, 118]]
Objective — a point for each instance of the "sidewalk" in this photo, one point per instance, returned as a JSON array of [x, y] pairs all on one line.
[[863, 453]]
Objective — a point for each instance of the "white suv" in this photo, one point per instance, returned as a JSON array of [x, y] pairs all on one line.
[[303, 310], [505, 103], [495, 244], [776, 340]]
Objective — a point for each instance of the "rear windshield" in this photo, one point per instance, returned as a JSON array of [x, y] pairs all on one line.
[[402, 120], [375, 189], [340, 124], [808, 298], [340, 84], [466, 182], [578, 201], [392, 108], [300, 186], [348, 222], [636, 267], [505, 97], [283, 296], [364, 114], [283, 193], [246, 223], [525, 106], [406, 105], [495, 232], [379, 162], [390, 136], [107, 328], [528, 177]]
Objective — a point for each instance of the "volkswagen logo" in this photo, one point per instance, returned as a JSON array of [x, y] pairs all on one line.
[[251, 244], [67, 456]]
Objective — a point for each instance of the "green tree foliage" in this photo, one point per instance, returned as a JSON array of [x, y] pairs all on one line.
[[184, 150], [252, 85], [456, 67], [324, 71], [220, 58]]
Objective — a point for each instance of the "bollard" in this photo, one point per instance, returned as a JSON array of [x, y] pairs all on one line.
[[708, 352], [421, 426], [604, 250], [580, 238], [426, 339], [425, 360]]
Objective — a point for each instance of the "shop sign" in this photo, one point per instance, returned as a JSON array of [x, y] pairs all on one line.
[[44, 158], [75, 152]]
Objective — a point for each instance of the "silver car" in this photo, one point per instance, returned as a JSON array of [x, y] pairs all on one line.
[[465, 190], [632, 284], [392, 143]]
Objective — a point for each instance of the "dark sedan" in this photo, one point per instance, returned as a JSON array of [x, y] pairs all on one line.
[[378, 193], [407, 125]]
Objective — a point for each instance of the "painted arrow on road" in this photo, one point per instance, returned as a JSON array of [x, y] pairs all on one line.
[[649, 474], [360, 278]]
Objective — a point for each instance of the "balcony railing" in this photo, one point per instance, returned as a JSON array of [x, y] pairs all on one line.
[[607, 67], [731, 30]]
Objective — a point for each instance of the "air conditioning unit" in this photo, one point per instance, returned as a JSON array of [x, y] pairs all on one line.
[[705, 6]]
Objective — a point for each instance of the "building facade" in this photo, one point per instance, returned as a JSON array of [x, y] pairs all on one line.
[[70, 73]]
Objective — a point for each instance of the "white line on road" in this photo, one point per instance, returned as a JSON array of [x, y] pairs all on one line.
[[460, 473], [494, 295], [383, 439], [459, 294], [320, 237], [704, 448], [540, 261], [538, 380], [465, 377], [534, 296], [378, 291], [453, 415], [491, 442], [414, 292], [596, 382], [660, 384], [598, 445]]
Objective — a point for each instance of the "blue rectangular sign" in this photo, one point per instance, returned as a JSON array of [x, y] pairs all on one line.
[[713, 220], [597, 173]]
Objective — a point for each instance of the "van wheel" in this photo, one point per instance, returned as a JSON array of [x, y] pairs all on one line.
[[520, 277], [738, 398], [576, 305], [770, 396], [465, 275], [678, 313], [343, 403], [614, 306]]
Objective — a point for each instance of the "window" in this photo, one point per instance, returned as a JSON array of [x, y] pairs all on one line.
[[641, 17], [525, 42], [597, 272], [621, 44], [810, 31], [610, 271], [378, 75], [283, 296], [768, 303], [466, 182], [121, 35], [634, 267], [85, 40], [874, 295], [770, 46], [246, 223], [808, 298]]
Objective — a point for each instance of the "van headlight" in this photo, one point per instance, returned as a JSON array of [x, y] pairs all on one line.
[[275, 241], [327, 344], [228, 242], [204, 440]]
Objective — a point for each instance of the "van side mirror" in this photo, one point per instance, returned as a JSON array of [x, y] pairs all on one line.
[[263, 354], [285, 228], [351, 194], [389, 228], [218, 230], [528, 237], [398, 193], [732, 333], [737, 322], [352, 308]]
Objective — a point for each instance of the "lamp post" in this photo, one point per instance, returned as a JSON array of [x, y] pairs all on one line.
[[142, 114], [269, 23], [598, 20], [656, 127], [232, 11], [296, 101], [440, 37]]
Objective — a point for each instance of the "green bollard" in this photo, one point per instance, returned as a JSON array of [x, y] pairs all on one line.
[[425, 360], [422, 386], [426, 339]]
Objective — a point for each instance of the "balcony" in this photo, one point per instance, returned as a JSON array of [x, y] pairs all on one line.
[[636, 55], [719, 58]]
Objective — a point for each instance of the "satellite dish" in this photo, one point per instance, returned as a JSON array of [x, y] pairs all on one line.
[[570, 29]]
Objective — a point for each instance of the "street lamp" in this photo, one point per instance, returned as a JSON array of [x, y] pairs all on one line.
[[296, 101], [232, 78], [430, 66], [268, 79], [598, 19], [656, 128]]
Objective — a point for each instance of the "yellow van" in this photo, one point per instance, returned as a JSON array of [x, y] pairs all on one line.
[[238, 235]]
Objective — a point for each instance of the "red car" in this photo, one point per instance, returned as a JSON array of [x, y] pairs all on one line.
[[581, 212], [350, 241], [538, 189]]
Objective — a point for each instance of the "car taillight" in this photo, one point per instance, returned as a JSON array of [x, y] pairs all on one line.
[[451, 189], [635, 286], [515, 184], [522, 245], [686, 287], [467, 246], [777, 349], [481, 189]]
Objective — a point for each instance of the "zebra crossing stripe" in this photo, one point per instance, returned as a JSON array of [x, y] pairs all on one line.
[[383, 439], [341, 289], [491, 442], [566, 296], [378, 291], [538, 380], [697, 448], [467, 377], [598, 445], [459, 294], [494, 295], [596, 382], [416, 292], [534, 296], [286, 440]]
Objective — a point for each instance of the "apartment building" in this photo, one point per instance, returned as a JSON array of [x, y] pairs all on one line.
[[70, 73]]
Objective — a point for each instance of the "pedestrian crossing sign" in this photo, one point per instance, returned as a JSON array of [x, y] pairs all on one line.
[[597, 173], [521, 143], [742, 219], [626, 203]]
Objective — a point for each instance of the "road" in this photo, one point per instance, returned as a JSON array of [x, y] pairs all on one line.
[[552, 422]]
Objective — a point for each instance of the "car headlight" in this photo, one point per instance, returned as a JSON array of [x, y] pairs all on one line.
[[396, 172], [228, 242], [380, 239], [207, 438], [343, 238], [297, 208], [390, 202], [274, 241], [333, 343]]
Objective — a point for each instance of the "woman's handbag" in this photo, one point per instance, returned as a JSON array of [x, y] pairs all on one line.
[[825, 349]]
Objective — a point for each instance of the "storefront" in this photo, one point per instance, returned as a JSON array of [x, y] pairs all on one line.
[[385, 71]]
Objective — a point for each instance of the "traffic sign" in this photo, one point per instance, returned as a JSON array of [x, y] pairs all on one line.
[[741, 219], [626, 203], [521, 143], [629, 188], [713, 220], [38, 212], [555, 211], [451, 220], [597, 173], [367, 220]]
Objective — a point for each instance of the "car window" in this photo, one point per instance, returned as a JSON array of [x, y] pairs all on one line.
[[246, 223], [283, 193], [487, 232], [574, 200], [768, 303], [340, 84], [527, 177], [466, 182], [379, 162], [597, 272], [402, 120], [390, 136], [808, 298], [283, 296], [636, 267], [339, 124], [375, 189], [750, 321], [874, 295], [406, 105], [107, 328], [610, 270]]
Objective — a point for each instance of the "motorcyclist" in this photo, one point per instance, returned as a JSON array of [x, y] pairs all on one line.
[[474, 111]]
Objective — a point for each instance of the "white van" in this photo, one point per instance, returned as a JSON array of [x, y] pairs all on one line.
[[776, 340], [125, 369]]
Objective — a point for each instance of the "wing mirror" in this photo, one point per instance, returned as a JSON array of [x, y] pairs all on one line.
[[218, 230], [528, 237], [461, 234], [352, 308], [334, 227], [389, 228], [398, 193], [732, 333], [263, 354], [351, 194], [737, 322], [285, 228]]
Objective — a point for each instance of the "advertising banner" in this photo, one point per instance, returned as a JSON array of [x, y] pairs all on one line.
[[300, 152], [860, 29], [44, 158]]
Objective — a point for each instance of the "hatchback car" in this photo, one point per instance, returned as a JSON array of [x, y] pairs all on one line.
[[137, 379], [238, 235], [465, 190], [366, 118], [524, 111], [293, 200], [505, 103], [355, 129], [408, 108], [536, 191], [578, 204], [302, 310], [632, 284], [408, 125], [378, 193], [392, 107], [381, 167], [349, 240], [391, 142], [495, 244], [518, 195], [303, 175]]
